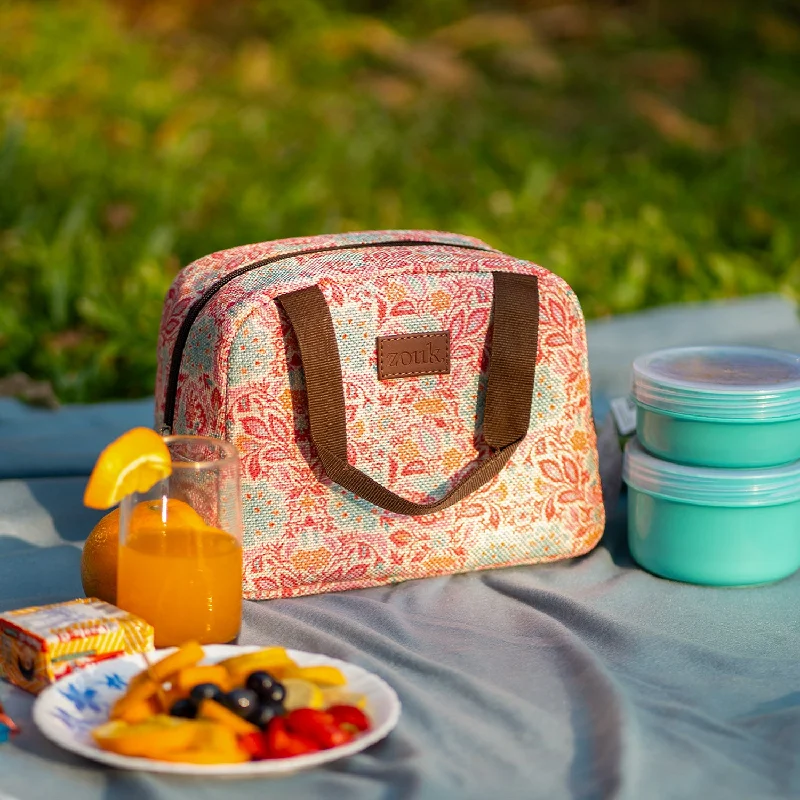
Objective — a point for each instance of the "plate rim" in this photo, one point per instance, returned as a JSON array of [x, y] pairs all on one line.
[[248, 769]]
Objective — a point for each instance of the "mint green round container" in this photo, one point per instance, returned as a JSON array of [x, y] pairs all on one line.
[[719, 406], [718, 527]]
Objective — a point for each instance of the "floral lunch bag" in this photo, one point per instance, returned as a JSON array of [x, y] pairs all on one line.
[[405, 404]]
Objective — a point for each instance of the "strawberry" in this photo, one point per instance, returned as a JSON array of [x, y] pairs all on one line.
[[350, 716], [319, 726], [283, 743], [255, 745]]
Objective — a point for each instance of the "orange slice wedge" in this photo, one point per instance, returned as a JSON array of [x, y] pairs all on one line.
[[302, 694], [135, 462]]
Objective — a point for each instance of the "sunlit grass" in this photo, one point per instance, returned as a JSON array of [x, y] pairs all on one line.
[[647, 159]]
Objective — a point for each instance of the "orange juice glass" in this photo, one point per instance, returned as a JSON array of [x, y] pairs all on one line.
[[180, 548]]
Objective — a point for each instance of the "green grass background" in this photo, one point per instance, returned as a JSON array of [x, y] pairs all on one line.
[[645, 151]]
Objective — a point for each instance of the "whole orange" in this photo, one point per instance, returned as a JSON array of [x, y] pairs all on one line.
[[99, 559]]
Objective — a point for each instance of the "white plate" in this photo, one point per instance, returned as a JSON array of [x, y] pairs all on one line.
[[67, 711]]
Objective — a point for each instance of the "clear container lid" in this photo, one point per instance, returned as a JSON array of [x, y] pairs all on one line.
[[710, 486], [733, 383]]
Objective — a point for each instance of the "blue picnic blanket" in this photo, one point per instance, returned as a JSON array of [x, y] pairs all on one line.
[[587, 678]]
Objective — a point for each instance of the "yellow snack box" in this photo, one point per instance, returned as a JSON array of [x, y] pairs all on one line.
[[41, 644]]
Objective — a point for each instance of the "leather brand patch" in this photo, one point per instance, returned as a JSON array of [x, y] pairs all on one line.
[[412, 354]]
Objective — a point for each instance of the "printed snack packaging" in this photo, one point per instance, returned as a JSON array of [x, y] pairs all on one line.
[[41, 644]]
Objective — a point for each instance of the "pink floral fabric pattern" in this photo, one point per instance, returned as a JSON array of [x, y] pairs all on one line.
[[241, 379]]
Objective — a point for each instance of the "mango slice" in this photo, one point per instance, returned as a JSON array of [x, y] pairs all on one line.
[[267, 659], [153, 738], [140, 692], [323, 675], [138, 712], [213, 744], [190, 677], [211, 710], [207, 755], [186, 655]]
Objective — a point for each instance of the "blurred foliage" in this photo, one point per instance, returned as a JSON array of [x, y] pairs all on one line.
[[645, 151]]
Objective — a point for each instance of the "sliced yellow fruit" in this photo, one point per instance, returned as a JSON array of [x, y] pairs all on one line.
[[207, 755], [137, 712], [139, 692], [323, 675], [190, 677], [336, 696], [237, 679], [187, 655], [146, 685], [171, 696], [215, 735], [151, 739], [211, 710], [135, 462], [267, 659], [213, 744], [302, 694]]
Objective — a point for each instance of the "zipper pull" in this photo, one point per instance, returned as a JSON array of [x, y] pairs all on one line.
[[166, 430]]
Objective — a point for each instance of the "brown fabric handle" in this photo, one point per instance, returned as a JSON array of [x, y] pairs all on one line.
[[509, 389]]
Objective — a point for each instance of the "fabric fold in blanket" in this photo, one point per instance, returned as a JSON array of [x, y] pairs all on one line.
[[586, 679]]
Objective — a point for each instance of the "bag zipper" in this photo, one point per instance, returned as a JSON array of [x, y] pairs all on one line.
[[198, 305]]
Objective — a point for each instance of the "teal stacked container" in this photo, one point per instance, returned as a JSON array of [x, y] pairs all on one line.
[[714, 477]]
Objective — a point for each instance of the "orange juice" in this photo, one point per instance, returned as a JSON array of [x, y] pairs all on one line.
[[185, 581]]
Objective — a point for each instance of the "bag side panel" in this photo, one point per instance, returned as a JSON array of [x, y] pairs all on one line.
[[563, 451]]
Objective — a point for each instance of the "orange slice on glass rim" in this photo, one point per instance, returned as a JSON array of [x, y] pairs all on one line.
[[135, 462]]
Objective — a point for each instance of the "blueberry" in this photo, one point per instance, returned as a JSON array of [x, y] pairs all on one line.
[[241, 701], [265, 712], [207, 691], [266, 687], [260, 682], [186, 707], [277, 693]]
